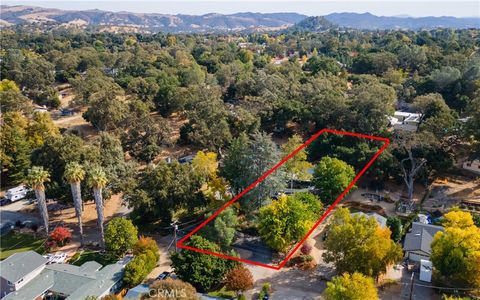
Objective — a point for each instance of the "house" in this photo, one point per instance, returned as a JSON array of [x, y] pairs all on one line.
[[137, 292], [472, 166], [381, 220], [19, 269], [27, 276], [417, 241], [405, 120]]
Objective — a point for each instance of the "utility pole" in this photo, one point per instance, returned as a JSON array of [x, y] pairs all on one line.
[[175, 229], [411, 285]]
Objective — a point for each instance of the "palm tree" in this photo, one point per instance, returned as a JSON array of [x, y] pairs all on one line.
[[74, 174], [36, 177], [97, 179]]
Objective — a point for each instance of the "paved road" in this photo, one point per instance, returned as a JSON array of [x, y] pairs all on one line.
[[11, 213]]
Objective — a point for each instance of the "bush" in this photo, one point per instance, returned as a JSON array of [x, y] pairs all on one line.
[[266, 289], [139, 268], [145, 244], [172, 286], [239, 279], [61, 236], [306, 249]]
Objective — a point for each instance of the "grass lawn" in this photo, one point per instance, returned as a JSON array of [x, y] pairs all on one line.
[[81, 257], [19, 242], [223, 293]]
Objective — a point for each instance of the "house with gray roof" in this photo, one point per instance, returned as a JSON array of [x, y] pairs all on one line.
[[418, 240], [19, 269], [63, 280]]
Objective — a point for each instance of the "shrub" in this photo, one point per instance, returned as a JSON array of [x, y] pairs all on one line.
[[175, 288], [266, 290], [239, 279], [139, 268], [306, 249], [61, 236], [145, 244]]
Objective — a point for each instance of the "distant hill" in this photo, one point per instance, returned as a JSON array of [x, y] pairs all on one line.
[[369, 21], [247, 21], [312, 24], [149, 21]]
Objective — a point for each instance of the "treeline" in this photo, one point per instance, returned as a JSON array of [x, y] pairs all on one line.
[[130, 84]]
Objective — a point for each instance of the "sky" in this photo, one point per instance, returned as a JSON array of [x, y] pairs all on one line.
[[412, 8]]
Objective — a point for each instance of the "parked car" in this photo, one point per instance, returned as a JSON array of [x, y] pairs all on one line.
[[163, 276], [186, 159], [6, 227], [5, 201]]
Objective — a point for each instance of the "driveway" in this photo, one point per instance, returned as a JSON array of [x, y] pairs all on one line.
[[12, 213]]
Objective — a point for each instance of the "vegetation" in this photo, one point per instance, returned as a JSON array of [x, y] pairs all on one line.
[[286, 221], [13, 242], [36, 178], [186, 290], [358, 244], [351, 287], [120, 236], [203, 271], [239, 279], [455, 251], [332, 176], [60, 235]]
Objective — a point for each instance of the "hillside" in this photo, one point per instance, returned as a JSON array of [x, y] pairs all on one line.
[[213, 22]]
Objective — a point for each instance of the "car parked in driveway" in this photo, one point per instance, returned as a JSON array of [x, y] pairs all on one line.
[[5, 201]]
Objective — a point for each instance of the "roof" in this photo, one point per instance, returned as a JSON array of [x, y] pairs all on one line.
[[105, 279], [137, 292], [381, 220], [18, 265], [76, 282], [420, 237]]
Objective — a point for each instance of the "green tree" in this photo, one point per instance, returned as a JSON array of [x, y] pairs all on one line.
[[97, 180], [332, 176], [106, 110], [36, 178], [11, 99], [74, 174], [207, 119], [161, 190], [351, 287], [358, 244], [14, 149], [395, 226], [297, 166], [140, 266], [285, 221], [120, 236], [246, 161], [203, 271], [222, 228]]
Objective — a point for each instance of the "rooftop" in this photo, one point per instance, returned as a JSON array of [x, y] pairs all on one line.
[[420, 237], [21, 264]]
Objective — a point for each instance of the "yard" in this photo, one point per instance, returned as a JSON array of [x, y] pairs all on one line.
[[81, 257], [19, 242]]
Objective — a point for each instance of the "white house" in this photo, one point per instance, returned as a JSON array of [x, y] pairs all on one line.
[[405, 120]]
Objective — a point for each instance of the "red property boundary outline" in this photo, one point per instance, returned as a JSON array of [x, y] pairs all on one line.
[[315, 136]]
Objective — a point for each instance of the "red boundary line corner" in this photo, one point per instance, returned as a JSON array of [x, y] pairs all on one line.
[[339, 198]]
